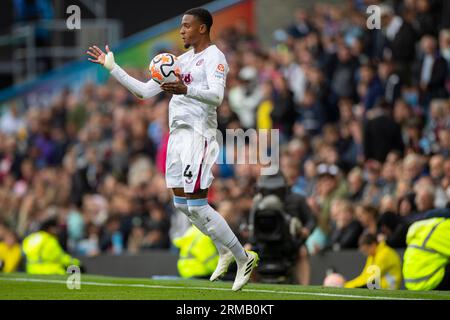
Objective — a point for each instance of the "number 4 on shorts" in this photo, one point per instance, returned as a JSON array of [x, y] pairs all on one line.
[[187, 174]]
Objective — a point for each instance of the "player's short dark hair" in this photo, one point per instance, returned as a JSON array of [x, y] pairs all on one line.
[[367, 239], [203, 15]]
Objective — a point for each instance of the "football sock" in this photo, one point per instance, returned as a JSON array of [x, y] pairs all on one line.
[[217, 228], [181, 204]]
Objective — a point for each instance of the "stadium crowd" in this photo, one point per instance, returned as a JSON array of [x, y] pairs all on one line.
[[364, 120]]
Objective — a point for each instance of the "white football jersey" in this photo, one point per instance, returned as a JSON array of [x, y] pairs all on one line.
[[201, 70]]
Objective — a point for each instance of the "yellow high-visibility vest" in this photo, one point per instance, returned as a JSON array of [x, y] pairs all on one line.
[[198, 254], [427, 254], [45, 255]]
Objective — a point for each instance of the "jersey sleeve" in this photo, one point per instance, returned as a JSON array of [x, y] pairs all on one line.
[[216, 72], [140, 89]]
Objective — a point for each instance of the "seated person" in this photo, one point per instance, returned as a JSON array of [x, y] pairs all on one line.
[[10, 254], [345, 230], [382, 256], [44, 254]]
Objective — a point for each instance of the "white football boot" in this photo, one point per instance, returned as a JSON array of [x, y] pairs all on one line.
[[222, 266], [244, 270]]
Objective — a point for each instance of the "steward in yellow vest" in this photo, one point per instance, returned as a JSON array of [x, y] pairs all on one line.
[[198, 254], [426, 262], [44, 254]]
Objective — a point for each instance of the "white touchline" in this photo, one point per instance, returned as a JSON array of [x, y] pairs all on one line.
[[136, 285]]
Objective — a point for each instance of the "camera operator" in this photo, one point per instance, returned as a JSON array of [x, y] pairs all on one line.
[[274, 195]]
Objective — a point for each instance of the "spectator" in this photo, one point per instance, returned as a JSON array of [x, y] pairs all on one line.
[[283, 113], [372, 192], [329, 187], [444, 45], [381, 134], [368, 217], [424, 200], [431, 71], [346, 230], [388, 178], [355, 181], [406, 205], [89, 245], [371, 87], [245, 98], [436, 165], [426, 22], [400, 40], [156, 225], [390, 81], [11, 123], [301, 27], [310, 114], [343, 74], [111, 239], [412, 167]]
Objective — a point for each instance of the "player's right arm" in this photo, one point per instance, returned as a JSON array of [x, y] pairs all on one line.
[[140, 89]]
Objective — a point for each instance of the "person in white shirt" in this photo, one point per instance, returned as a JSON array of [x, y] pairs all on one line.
[[192, 148]]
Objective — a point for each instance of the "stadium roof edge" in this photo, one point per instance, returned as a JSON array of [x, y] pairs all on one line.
[[81, 63]]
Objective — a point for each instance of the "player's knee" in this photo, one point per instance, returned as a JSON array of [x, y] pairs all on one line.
[[194, 212], [197, 210]]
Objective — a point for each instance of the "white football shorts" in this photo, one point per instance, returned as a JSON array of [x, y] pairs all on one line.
[[190, 159]]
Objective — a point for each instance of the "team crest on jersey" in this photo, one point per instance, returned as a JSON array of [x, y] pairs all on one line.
[[199, 62], [187, 78], [221, 68]]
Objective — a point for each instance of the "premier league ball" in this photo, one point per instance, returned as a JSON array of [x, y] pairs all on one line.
[[164, 68]]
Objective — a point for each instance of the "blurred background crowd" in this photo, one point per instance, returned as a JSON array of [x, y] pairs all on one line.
[[372, 103]]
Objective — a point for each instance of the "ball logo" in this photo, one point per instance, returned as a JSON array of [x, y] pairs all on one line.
[[221, 68]]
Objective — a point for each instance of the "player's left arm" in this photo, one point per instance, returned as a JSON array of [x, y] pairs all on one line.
[[216, 72]]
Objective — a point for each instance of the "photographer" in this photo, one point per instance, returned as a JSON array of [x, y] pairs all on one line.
[[280, 223]]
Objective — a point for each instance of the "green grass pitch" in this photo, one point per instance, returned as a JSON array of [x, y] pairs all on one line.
[[21, 286]]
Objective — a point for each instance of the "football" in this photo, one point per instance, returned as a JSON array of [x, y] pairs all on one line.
[[164, 68], [334, 280]]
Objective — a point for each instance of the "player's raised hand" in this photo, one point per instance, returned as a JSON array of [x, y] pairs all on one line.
[[99, 57]]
